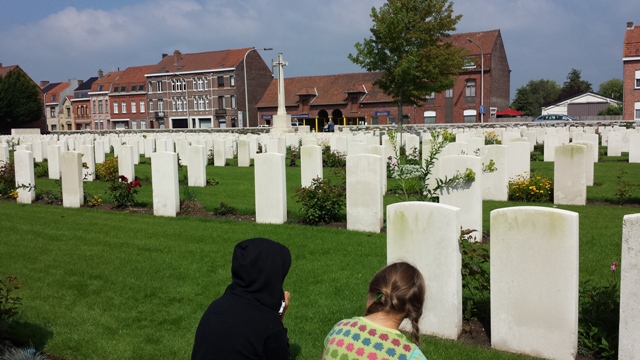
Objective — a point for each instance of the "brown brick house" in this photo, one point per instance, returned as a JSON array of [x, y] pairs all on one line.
[[352, 99], [205, 90], [99, 99], [82, 105], [128, 99], [631, 73]]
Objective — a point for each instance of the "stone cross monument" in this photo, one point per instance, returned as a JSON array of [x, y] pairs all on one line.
[[281, 121]]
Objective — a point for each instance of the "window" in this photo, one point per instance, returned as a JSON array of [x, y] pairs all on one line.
[[429, 117], [233, 101], [100, 87], [53, 112], [100, 103], [220, 81], [220, 102], [200, 104], [200, 84], [94, 107], [53, 97], [150, 105], [469, 116], [133, 107], [206, 104], [115, 107], [134, 124], [179, 103], [469, 64], [448, 94], [637, 111], [159, 85], [106, 105], [140, 87], [143, 124], [232, 80], [470, 89], [637, 80], [53, 128], [142, 106], [431, 96], [160, 105], [124, 107], [133, 88], [149, 86]]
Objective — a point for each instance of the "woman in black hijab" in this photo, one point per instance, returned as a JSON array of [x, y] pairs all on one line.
[[246, 321]]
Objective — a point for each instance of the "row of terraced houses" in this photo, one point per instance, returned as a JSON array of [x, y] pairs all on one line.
[[235, 89]]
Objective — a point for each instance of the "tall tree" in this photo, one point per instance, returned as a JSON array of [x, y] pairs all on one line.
[[574, 85], [532, 97], [408, 46], [20, 101], [611, 88]]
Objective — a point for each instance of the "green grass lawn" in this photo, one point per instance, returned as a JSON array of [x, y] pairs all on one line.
[[115, 285]]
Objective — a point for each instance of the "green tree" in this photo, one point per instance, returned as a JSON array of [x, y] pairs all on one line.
[[20, 101], [532, 97], [574, 85], [611, 110], [611, 88], [409, 46]]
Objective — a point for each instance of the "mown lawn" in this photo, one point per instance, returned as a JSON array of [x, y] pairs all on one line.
[[115, 285]]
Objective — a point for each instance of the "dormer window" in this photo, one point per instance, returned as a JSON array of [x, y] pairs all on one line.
[[469, 64]]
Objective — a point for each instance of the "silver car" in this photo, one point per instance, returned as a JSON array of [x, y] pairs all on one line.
[[553, 117]]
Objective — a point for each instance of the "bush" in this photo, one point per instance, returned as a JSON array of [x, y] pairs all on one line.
[[108, 170], [123, 192], [475, 277], [531, 189], [322, 202], [599, 317], [225, 209], [333, 159], [9, 301], [7, 178]]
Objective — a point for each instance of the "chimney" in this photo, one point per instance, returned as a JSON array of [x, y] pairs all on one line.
[[43, 83], [0, 64], [177, 56], [164, 55], [629, 24], [100, 74], [80, 82]]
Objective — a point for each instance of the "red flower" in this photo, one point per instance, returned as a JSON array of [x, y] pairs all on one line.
[[384, 337], [136, 183], [372, 332], [614, 266], [123, 178], [395, 342]]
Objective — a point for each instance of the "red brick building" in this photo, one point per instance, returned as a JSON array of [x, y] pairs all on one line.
[[631, 73], [352, 99], [128, 99], [99, 99], [82, 105], [207, 90]]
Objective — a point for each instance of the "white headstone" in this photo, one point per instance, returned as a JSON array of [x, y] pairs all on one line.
[[165, 185], [364, 193], [71, 173], [125, 162], [426, 235], [53, 161], [244, 153], [614, 144], [550, 143], [310, 164], [634, 148], [270, 188], [589, 160], [99, 152], [467, 196], [629, 346], [534, 281], [197, 168], [495, 184], [4, 154], [25, 177], [519, 159], [88, 158], [570, 175]]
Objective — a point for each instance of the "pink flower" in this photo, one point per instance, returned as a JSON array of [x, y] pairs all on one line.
[[332, 341], [384, 337], [372, 356], [395, 342], [372, 332], [340, 343], [614, 266], [354, 324], [360, 351], [362, 328], [406, 348], [350, 347]]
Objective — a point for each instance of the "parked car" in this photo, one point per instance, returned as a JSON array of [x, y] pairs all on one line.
[[263, 126], [553, 117]]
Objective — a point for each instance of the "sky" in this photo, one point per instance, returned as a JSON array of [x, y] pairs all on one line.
[[65, 39]]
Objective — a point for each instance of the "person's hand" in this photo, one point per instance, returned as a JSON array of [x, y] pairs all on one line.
[[287, 298]]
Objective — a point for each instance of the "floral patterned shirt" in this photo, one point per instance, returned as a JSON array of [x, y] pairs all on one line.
[[361, 339]]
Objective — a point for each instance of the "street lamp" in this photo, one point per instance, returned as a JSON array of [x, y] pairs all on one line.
[[246, 93], [481, 79]]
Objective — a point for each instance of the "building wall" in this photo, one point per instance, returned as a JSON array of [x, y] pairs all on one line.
[[631, 93], [259, 77], [500, 82], [82, 113], [101, 119], [130, 119]]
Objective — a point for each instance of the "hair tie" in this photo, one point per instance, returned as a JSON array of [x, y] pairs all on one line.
[[380, 295]]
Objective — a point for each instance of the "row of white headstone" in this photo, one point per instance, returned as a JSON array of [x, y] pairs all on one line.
[[534, 275]]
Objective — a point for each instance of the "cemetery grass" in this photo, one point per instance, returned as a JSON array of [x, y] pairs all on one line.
[[115, 285]]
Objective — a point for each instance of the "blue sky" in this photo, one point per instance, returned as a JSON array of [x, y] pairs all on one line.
[[63, 39]]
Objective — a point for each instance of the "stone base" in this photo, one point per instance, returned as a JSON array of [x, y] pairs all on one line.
[[282, 124]]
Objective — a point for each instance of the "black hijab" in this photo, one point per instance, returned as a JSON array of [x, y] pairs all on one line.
[[258, 269]]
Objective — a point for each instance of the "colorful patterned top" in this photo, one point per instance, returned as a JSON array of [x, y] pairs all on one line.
[[359, 338]]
